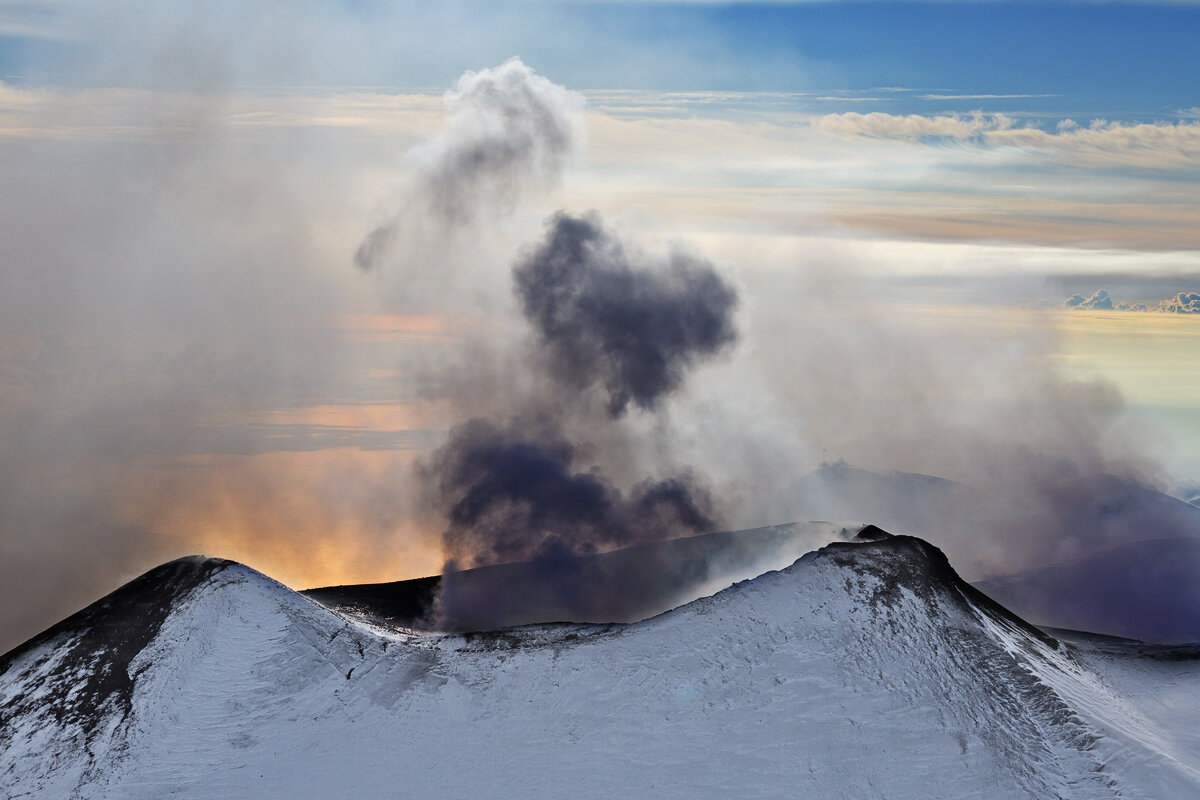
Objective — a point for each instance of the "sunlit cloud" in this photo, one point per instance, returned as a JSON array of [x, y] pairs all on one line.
[[143, 115], [1182, 303], [1186, 302], [1100, 301]]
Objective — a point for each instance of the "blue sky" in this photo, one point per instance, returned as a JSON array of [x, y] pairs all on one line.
[[1112, 59]]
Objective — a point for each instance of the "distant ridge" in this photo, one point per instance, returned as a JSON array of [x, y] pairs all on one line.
[[1145, 590]]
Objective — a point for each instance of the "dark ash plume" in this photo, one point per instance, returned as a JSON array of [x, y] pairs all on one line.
[[518, 493], [508, 133], [530, 491], [610, 315]]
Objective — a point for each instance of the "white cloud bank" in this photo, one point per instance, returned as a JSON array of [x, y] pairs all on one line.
[[1187, 302], [1100, 301], [1182, 303]]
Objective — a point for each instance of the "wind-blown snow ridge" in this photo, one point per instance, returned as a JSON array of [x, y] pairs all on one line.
[[862, 670]]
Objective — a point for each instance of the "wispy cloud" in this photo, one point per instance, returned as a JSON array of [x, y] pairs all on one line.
[[1102, 143], [777, 164], [144, 115], [981, 96], [882, 125]]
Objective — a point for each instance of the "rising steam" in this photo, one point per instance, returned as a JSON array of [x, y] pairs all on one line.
[[508, 134]]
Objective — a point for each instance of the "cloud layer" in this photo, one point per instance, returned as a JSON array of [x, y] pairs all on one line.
[[1182, 303]]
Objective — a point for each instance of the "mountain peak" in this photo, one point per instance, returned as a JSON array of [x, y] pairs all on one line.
[[94, 647], [898, 561], [872, 533]]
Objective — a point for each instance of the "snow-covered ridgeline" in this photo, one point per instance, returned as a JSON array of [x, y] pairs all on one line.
[[864, 670]]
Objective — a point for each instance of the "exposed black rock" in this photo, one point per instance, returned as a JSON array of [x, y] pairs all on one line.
[[872, 533], [401, 604]]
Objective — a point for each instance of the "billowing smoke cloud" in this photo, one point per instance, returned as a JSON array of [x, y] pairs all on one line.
[[509, 133], [530, 487], [536, 533], [517, 493], [609, 315]]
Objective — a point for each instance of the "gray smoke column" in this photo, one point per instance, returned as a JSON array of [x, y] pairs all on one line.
[[605, 313], [508, 133], [526, 485]]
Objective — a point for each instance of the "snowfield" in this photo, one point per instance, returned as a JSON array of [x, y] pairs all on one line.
[[864, 670]]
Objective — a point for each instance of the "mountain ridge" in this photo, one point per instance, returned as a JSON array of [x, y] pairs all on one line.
[[864, 668]]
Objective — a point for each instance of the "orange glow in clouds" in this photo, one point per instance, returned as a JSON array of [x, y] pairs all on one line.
[[307, 519], [314, 517]]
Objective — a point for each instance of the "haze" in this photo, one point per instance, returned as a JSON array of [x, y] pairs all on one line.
[[261, 268]]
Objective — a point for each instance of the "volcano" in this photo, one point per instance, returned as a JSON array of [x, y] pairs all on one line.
[[864, 669]]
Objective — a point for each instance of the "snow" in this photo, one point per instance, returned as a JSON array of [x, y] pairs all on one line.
[[860, 671]]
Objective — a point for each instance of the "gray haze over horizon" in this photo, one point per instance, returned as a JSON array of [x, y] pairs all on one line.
[[182, 300]]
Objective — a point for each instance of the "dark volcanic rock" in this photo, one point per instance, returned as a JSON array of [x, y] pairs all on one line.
[[403, 604], [96, 646]]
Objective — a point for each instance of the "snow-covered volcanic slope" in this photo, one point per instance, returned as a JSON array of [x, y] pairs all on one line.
[[863, 670]]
